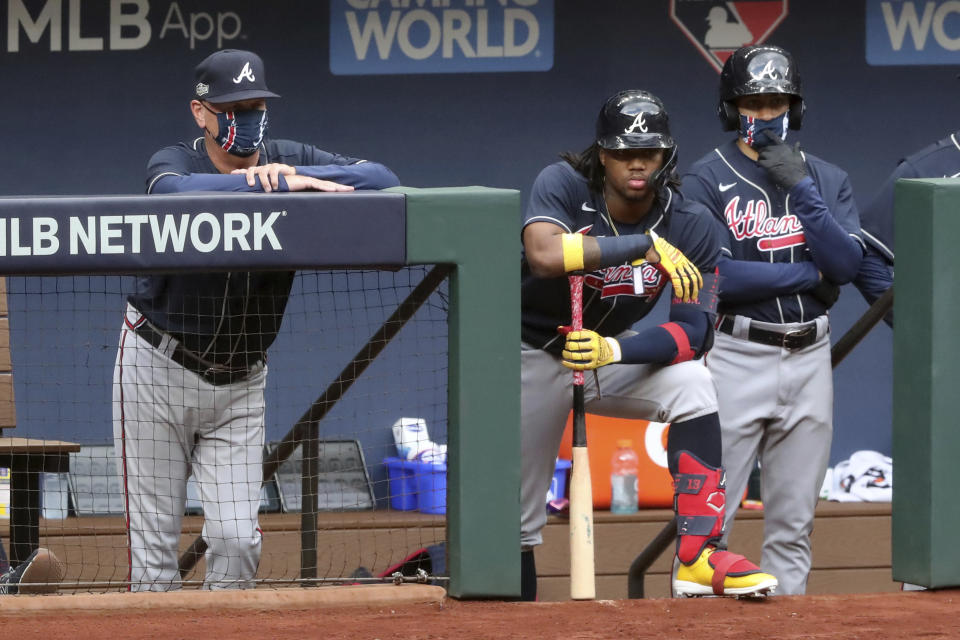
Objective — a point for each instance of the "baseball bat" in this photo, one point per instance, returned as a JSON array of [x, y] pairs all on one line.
[[880, 307], [582, 578]]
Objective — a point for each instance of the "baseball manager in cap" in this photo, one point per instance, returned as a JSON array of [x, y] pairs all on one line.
[[188, 392]]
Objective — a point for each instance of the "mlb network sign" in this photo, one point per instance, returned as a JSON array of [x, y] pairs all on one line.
[[440, 36], [913, 32]]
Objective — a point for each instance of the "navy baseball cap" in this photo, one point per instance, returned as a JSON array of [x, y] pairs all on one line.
[[230, 75]]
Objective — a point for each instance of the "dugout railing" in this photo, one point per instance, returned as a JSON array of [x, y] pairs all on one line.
[[469, 232]]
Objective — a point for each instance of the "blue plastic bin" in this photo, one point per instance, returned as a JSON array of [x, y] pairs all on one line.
[[402, 484], [417, 485], [431, 487], [423, 486], [558, 485]]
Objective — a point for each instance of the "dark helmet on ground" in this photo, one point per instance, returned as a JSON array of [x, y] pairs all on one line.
[[636, 119], [757, 69]]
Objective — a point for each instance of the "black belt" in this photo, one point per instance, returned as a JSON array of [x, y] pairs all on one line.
[[215, 374], [798, 338]]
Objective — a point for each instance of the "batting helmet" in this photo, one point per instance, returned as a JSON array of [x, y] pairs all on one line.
[[758, 69], [637, 119]]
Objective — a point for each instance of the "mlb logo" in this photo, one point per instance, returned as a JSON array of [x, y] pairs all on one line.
[[718, 28]]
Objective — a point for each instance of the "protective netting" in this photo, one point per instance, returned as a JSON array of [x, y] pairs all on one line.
[[117, 465]]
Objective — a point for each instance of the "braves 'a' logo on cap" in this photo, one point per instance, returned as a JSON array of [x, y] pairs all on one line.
[[717, 28], [245, 74], [769, 71], [638, 124]]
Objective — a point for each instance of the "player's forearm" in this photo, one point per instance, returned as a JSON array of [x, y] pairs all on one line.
[[556, 254], [873, 279], [749, 281], [684, 338], [651, 346], [362, 175], [205, 182], [835, 252]]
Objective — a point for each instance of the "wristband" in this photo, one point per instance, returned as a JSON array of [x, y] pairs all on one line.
[[617, 250], [572, 252], [615, 349]]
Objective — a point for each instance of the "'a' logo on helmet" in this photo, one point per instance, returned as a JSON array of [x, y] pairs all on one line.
[[768, 71], [245, 73], [638, 124]]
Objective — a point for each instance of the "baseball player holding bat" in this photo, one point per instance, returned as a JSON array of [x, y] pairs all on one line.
[[614, 213], [188, 392], [790, 236]]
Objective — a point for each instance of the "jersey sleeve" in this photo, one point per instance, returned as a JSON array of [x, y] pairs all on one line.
[[324, 165], [168, 162], [697, 235], [169, 171], [688, 335], [831, 231], [744, 281], [360, 174], [695, 187], [551, 198], [874, 278], [877, 217], [318, 157]]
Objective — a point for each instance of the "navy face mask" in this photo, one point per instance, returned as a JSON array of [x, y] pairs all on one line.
[[750, 129], [240, 132]]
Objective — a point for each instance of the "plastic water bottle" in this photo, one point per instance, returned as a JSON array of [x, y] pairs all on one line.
[[623, 478]]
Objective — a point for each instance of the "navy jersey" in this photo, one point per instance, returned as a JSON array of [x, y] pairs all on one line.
[[762, 224], [938, 160], [186, 167], [561, 196], [232, 318]]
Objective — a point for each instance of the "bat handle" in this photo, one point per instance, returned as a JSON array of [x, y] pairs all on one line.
[[576, 315]]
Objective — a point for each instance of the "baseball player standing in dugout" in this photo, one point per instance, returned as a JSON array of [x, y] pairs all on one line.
[[938, 160], [613, 212], [792, 236], [188, 392]]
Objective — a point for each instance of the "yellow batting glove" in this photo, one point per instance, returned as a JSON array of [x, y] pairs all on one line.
[[685, 276], [585, 350]]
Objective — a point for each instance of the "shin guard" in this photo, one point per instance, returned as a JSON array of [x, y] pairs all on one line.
[[700, 502]]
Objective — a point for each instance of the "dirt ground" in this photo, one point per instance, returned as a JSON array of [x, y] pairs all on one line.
[[925, 615]]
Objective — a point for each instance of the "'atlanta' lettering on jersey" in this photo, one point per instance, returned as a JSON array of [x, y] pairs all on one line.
[[619, 281], [753, 221]]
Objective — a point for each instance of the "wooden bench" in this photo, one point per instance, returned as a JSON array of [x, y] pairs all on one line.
[[851, 550], [27, 458]]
